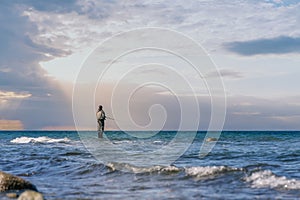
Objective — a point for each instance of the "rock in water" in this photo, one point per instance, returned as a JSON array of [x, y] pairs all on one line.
[[31, 195], [11, 182], [12, 195]]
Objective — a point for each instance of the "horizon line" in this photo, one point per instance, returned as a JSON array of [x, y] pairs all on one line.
[[87, 130]]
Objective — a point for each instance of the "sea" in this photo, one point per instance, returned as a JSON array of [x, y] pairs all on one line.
[[241, 165]]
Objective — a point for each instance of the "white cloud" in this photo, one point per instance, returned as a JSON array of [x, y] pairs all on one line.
[[9, 99], [13, 95], [210, 22], [225, 73], [246, 113]]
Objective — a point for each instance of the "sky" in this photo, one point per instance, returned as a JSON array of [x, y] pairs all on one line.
[[254, 45]]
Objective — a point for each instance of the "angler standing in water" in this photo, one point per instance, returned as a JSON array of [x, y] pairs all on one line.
[[100, 119]]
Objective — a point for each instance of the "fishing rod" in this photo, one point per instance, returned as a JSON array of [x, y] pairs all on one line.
[[118, 120], [110, 118]]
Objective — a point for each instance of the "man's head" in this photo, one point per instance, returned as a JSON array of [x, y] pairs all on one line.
[[100, 107]]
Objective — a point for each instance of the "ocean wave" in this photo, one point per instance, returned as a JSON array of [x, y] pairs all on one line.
[[200, 172], [42, 139], [197, 172], [158, 142], [123, 142], [266, 178], [130, 168]]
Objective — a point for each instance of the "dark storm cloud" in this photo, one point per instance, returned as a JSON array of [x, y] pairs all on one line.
[[20, 56], [20, 71], [279, 45]]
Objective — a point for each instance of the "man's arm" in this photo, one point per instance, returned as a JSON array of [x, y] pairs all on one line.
[[103, 114]]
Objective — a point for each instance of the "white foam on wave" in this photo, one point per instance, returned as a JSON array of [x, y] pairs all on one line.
[[42, 139], [155, 169], [197, 172], [266, 178], [134, 169], [200, 171], [158, 142], [123, 142]]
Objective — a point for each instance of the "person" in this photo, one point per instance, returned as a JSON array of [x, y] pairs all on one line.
[[100, 119]]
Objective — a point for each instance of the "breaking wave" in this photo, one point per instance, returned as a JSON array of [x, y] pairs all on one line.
[[199, 172], [42, 139], [130, 168], [257, 179], [266, 178]]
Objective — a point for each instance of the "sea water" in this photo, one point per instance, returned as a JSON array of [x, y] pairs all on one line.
[[242, 165]]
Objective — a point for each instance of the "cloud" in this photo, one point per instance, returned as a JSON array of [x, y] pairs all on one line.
[[278, 45], [5, 95], [243, 112], [246, 113], [55, 6], [34, 31], [225, 73], [283, 2], [11, 125], [24, 84], [87, 22], [254, 113]]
